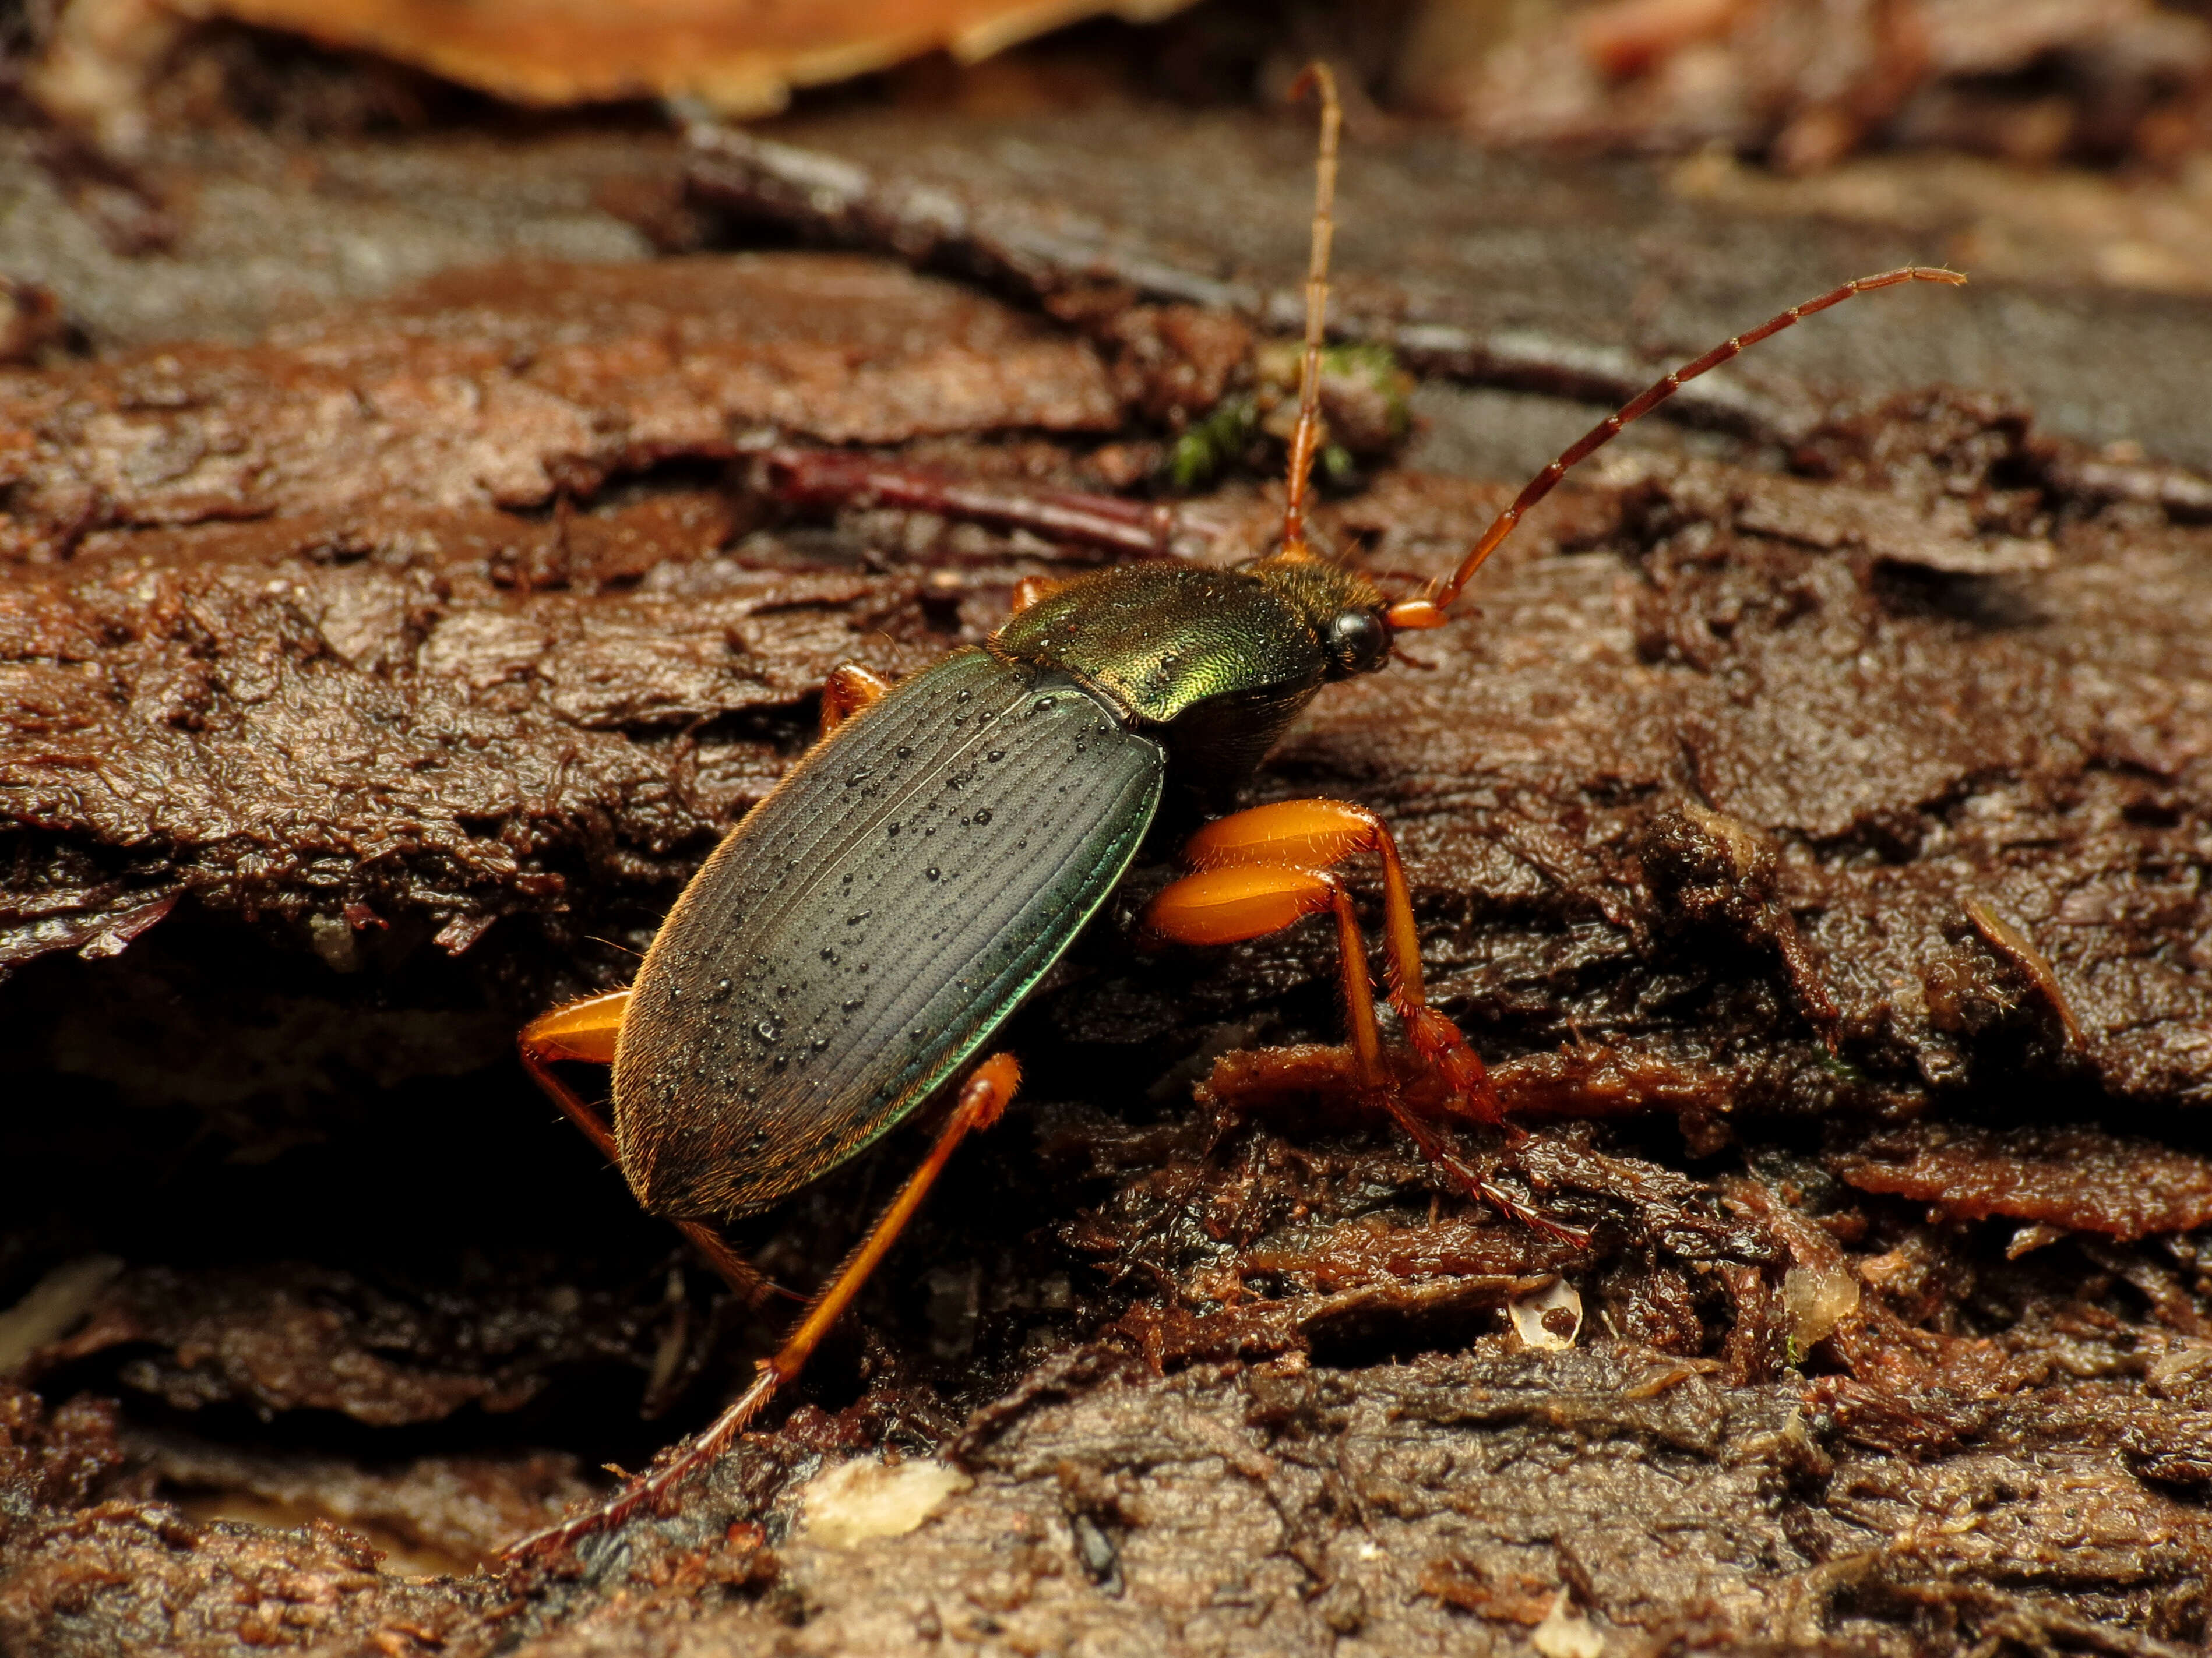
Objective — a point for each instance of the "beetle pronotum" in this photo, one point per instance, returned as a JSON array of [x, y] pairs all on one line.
[[851, 947]]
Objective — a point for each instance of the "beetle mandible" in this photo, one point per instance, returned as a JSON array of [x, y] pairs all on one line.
[[850, 948]]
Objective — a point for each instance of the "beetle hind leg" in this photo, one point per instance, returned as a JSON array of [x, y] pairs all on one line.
[[983, 1099], [584, 1032]]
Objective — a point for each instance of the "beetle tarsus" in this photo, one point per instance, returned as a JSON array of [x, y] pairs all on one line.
[[655, 1489], [1436, 1146]]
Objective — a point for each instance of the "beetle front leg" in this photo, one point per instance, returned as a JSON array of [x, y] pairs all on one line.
[[1031, 588], [983, 1099], [849, 689], [585, 1032], [1319, 834]]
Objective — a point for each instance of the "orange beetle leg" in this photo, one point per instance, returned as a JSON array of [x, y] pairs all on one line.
[[582, 1031], [585, 1032], [1228, 905], [1232, 903], [983, 1100], [1031, 588], [1319, 834], [849, 689]]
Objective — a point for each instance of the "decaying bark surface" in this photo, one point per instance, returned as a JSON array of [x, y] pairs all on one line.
[[1812, 832]]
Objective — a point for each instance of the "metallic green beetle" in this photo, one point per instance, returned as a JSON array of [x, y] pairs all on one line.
[[851, 947], [854, 943]]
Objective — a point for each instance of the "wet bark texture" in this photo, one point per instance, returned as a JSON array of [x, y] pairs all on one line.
[[1809, 822]]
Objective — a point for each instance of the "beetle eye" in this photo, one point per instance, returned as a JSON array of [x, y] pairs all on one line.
[[1358, 641]]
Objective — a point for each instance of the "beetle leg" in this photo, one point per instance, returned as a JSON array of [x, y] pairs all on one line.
[[1229, 904], [983, 1099], [1437, 1146], [585, 1031], [1240, 1079], [1320, 835], [1031, 588], [1233, 902], [849, 689]]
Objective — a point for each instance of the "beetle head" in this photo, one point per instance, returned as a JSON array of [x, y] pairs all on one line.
[[1345, 611]]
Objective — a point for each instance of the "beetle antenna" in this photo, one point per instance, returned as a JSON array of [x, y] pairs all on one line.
[[1428, 611], [1305, 438]]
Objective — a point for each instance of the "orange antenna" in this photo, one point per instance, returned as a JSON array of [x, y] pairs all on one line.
[[1428, 611], [1306, 437]]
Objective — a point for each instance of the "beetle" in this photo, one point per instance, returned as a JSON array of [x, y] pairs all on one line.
[[849, 950]]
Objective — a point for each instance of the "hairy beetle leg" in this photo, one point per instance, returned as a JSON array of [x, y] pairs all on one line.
[[1311, 836], [849, 689], [983, 1100], [585, 1032]]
